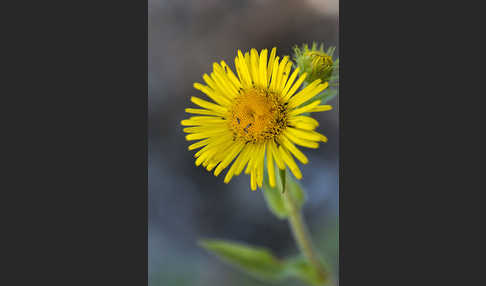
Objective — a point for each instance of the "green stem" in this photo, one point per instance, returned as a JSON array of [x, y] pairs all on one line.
[[300, 231]]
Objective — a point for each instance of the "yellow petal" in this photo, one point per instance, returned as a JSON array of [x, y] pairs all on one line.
[[307, 93], [270, 167], [270, 64], [281, 69], [232, 77], [296, 85], [253, 181], [273, 81], [229, 157], [321, 108], [245, 157], [203, 135], [276, 155], [295, 151], [208, 105], [263, 68], [284, 78], [198, 144], [301, 142], [201, 111], [234, 167], [289, 83], [307, 135], [290, 162], [304, 109], [244, 69]]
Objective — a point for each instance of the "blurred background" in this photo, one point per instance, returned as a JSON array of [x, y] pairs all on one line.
[[187, 202]]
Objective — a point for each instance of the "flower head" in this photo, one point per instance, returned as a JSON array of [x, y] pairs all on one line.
[[253, 115]]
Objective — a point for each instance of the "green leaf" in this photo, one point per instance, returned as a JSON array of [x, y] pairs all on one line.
[[274, 199], [296, 191], [300, 268], [257, 261], [273, 196]]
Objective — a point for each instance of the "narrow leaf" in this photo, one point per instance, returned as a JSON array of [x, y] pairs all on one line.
[[256, 261]]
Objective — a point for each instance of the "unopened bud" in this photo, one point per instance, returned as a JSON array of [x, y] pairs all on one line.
[[315, 62]]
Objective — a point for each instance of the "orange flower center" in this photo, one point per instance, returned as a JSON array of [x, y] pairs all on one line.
[[257, 115]]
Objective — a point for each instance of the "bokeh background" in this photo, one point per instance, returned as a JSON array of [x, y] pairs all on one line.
[[187, 202]]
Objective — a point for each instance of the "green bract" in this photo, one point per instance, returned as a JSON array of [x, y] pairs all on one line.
[[317, 63]]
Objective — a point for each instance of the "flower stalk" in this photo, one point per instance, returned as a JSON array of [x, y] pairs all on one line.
[[300, 231]]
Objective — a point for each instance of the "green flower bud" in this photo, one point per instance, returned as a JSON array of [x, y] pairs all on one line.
[[315, 62]]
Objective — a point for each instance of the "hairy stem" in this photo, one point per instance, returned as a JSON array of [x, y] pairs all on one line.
[[300, 231]]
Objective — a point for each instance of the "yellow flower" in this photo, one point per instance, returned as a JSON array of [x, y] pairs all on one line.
[[254, 115]]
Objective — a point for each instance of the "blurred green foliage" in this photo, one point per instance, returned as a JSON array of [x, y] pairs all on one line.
[[273, 197]]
